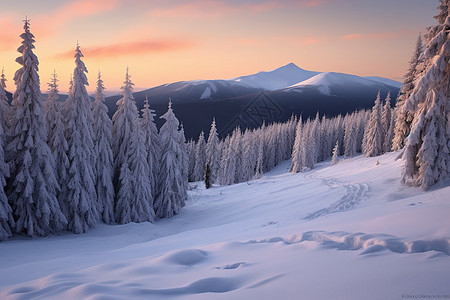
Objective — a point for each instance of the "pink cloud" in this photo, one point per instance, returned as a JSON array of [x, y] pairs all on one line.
[[130, 48], [352, 36], [211, 9], [370, 36], [311, 41]]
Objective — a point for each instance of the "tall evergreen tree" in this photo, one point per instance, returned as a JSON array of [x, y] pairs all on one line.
[[200, 158], [103, 151], [297, 164], [5, 107], [427, 158], [373, 134], [6, 217], [350, 139], [78, 193], [32, 187], [56, 137], [171, 179], [212, 152], [403, 118], [152, 144], [335, 159], [134, 201], [386, 116]]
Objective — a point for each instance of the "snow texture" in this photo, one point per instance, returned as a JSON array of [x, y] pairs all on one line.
[[349, 231]]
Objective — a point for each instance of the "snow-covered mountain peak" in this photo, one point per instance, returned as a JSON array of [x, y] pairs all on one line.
[[279, 78]]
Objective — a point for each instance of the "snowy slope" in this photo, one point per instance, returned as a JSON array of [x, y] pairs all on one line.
[[349, 231], [277, 79], [385, 81], [325, 82]]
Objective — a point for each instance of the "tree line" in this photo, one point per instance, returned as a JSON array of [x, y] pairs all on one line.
[[66, 166]]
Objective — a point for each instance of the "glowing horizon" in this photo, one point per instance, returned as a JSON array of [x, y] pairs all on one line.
[[176, 40]]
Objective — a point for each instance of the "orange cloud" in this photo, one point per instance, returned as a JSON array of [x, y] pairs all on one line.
[[130, 48]]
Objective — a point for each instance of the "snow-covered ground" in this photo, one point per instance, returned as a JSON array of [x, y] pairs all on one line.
[[350, 231]]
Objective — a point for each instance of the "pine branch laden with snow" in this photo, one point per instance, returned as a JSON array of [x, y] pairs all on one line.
[[134, 201], [32, 186], [5, 107], [103, 151], [78, 195], [374, 133], [172, 178], [152, 144], [427, 158]]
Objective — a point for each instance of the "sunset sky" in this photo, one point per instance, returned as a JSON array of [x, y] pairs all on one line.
[[173, 40]]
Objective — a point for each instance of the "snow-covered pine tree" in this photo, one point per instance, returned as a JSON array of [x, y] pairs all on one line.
[[6, 217], [184, 167], [228, 161], [171, 182], [102, 146], [200, 158], [152, 144], [5, 107], [296, 164], [190, 148], [56, 138], [386, 115], [427, 158], [403, 118], [212, 152], [78, 194], [134, 201], [373, 133], [32, 187], [259, 170], [350, 138], [335, 158]]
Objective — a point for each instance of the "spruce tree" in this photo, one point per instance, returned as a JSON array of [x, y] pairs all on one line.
[[134, 201], [296, 164], [386, 116], [373, 133], [102, 146], [212, 152], [6, 217], [427, 158], [56, 137], [152, 144], [32, 186], [78, 193], [5, 107], [171, 180], [403, 118], [200, 158], [335, 158]]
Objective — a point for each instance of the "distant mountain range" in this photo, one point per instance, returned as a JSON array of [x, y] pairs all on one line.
[[249, 101], [273, 96]]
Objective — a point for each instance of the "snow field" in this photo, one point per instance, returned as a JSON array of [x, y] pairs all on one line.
[[370, 238]]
